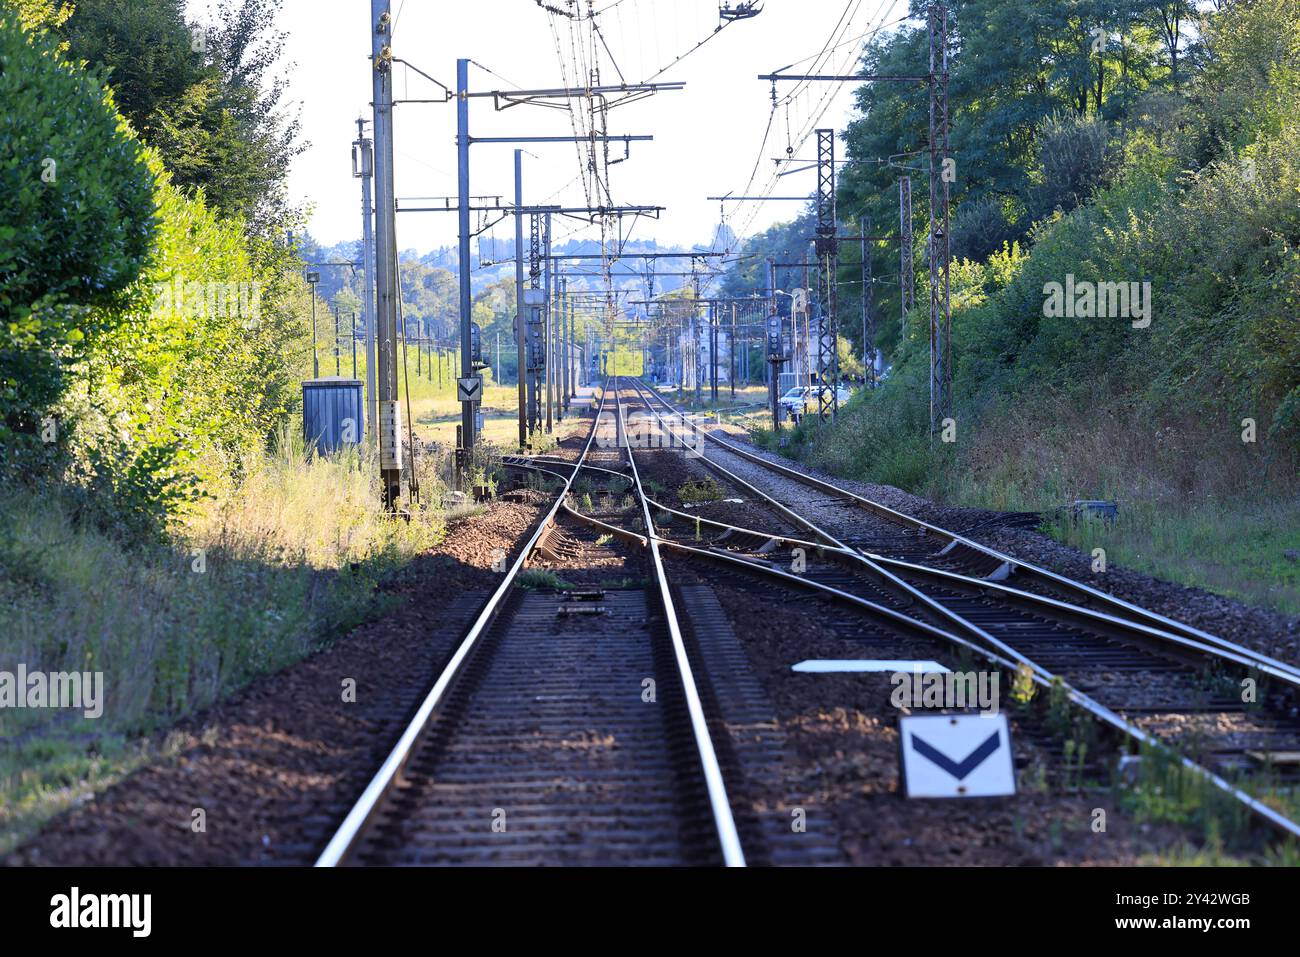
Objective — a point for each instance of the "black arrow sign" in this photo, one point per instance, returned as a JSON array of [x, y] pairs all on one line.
[[958, 770], [468, 387]]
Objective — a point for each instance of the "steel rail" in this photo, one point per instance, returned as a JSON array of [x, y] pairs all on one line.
[[909, 593], [1100, 712], [1282, 671], [365, 808], [1162, 623], [728, 837], [772, 536], [1052, 605], [536, 460], [1285, 674]]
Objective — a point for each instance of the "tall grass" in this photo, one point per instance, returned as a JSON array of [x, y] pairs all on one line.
[[1196, 504], [260, 575]]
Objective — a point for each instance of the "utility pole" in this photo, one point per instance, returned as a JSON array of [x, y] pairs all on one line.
[[827, 247], [534, 302], [566, 319], [770, 292], [562, 346], [575, 356], [713, 353], [390, 424], [465, 449], [697, 338], [731, 356], [312, 279], [363, 168], [549, 364]]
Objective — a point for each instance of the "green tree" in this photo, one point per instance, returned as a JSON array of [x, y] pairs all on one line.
[[76, 222], [208, 99]]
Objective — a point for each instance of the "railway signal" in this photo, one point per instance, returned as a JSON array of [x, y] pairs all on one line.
[[775, 356]]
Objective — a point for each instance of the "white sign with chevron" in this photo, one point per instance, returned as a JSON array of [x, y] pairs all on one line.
[[957, 755], [469, 388]]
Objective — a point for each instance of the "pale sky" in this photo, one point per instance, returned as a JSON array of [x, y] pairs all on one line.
[[707, 136]]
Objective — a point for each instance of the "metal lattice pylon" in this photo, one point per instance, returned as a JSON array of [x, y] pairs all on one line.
[[534, 324], [827, 249], [938, 245]]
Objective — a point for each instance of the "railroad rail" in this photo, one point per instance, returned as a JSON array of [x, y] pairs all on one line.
[[918, 579], [414, 808], [1054, 641], [998, 566]]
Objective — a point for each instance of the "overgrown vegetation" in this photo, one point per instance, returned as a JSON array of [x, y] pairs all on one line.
[[540, 579], [697, 491], [164, 526], [285, 559]]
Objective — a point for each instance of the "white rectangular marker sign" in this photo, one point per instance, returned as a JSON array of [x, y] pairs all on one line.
[[956, 755], [823, 666]]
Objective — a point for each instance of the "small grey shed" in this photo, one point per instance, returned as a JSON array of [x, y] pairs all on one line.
[[333, 413]]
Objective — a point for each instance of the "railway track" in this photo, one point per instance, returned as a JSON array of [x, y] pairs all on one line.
[[537, 743], [534, 745], [1159, 682]]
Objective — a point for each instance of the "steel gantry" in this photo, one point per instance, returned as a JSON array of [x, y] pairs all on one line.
[[625, 92]]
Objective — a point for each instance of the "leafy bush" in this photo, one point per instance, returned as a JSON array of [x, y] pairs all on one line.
[[697, 491], [983, 226], [76, 223], [1074, 160], [1053, 407]]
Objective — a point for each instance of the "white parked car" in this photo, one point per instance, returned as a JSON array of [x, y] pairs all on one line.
[[805, 398], [792, 401]]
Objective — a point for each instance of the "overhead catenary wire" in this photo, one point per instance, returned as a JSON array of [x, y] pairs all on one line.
[[818, 111]]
